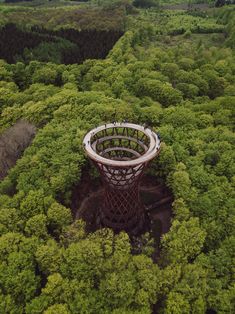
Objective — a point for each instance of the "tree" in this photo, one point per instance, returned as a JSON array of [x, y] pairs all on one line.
[[46, 75], [4, 74], [177, 304], [189, 292], [7, 305], [20, 75], [49, 257], [73, 233], [151, 114], [158, 91], [166, 161], [186, 64], [58, 217], [216, 84], [184, 241], [170, 70], [9, 220], [146, 3], [98, 273], [57, 309], [17, 267], [192, 77], [183, 88], [35, 203], [37, 225], [220, 3], [181, 183], [110, 4], [181, 210], [188, 90]]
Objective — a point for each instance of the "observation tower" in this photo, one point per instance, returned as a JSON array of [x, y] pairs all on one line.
[[121, 152]]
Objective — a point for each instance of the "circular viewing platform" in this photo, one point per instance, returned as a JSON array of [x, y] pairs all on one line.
[[121, 144], [121, 151]]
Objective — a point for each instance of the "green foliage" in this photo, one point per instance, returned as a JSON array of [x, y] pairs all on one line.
[[184, 241], [166, 161], [17, 265], [57, 309], [58, 217], [164, 93], [44, 75], [180, 209], [9, 220], [73, 233], [189, 90], [37, 225], [177, 304], [97, 273], [48, 52], [49, 257], [182, 86], [181, 183], [68, 16], [146, 3], [34, 203]]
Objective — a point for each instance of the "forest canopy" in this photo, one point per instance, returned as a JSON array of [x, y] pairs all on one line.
[[171, 69]]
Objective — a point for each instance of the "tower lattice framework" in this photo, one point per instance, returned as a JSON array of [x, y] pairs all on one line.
[[121, 152]]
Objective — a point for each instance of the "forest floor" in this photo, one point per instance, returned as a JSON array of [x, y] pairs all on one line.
[[156, 197]]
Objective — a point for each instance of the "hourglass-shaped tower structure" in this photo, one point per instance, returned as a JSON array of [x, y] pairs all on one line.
[[121, 152]]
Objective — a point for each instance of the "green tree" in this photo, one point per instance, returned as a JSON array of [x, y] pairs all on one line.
[[58, 217], [46, 75], [17, 267], [166, 162], [170, 70], [177, 304], [180, 183], [35, 203], [216, 84], [184, 241], [7, 305], [73, 233], [49, 257], [181, 210], [158, 91], [57, 309], [188, 90], [9, 220], [146, 3], [37, 225]]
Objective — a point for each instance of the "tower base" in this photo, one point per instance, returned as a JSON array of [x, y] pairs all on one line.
[[133, 226]]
